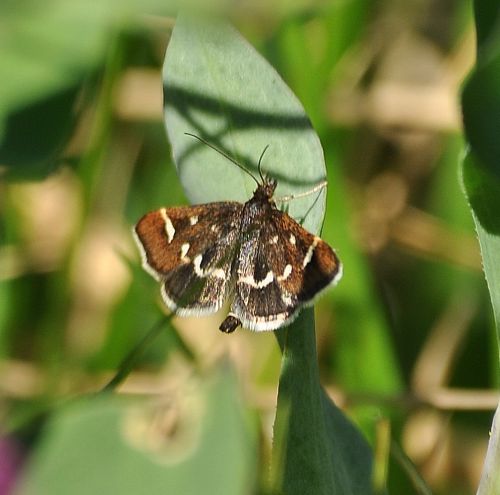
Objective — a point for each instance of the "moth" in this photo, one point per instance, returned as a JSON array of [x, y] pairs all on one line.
[[253, 254]]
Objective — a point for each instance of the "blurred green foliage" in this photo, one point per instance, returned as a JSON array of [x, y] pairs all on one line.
[[407, 337], [481, 179]]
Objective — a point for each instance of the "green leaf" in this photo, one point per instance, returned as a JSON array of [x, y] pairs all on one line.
[[481, 99], [48, 53], [219, 88], [48, 49], [483, 193], [480, 169], [487, 17], [481, 179], [46, 125], [490, 478], [316, 449], [196, 441]]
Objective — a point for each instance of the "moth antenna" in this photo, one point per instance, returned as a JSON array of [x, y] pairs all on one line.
[[225, 155], [259, 166], [317, 187]]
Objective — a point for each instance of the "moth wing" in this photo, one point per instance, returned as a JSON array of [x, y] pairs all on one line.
[[189, 249], [281, 267], [318, 264]]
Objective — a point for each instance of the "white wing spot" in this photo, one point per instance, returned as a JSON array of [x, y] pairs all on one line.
[[250, 280], [274, 240], [286, 273], [214, 272], [287, 298], [292, 239], [214, 228], [193, 220], [184, 250], [219, 273], [169, 226], [310, 251], [197, 266]]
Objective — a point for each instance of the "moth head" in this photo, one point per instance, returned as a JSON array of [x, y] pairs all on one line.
[[265, 190]]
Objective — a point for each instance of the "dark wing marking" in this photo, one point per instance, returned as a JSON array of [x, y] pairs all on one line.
[[190, 251], [280, 267]]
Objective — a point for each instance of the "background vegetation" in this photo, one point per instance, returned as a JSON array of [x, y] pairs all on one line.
[[406, 344]]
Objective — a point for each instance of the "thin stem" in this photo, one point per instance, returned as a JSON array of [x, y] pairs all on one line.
[[409, 468], [129, 362]]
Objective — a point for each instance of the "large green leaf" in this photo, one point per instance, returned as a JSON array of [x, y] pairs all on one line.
[[316, 449], [481, 173], [196, 441], [481, 179], [218, 87]]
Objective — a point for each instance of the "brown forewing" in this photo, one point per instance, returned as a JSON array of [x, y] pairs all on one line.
[[202, 227]]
